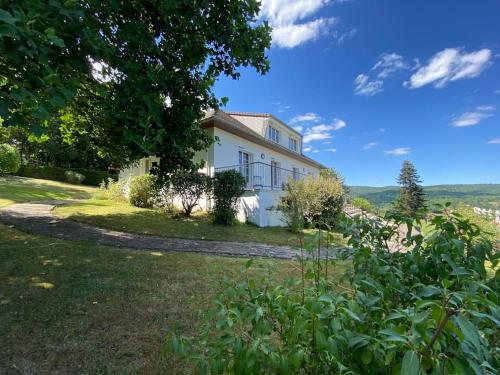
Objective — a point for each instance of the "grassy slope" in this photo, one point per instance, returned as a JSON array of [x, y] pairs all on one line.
[[124, 217], [18, 190], [482, 195], [69, 307]]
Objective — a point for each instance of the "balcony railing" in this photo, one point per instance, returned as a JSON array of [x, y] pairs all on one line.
[[264, 176]]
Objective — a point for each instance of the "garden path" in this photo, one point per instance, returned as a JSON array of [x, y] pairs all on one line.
[[37, 218]]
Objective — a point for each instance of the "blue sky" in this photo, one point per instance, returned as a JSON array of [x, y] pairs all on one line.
[[371, 83]]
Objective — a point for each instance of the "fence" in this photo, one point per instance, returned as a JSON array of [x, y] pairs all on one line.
[[260, 175]]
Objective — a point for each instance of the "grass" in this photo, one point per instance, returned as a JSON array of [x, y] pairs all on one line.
[[124, 217], [19, 190], [69, 307]]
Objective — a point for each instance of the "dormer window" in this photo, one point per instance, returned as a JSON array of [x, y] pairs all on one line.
[[273, 134], [292, 144]]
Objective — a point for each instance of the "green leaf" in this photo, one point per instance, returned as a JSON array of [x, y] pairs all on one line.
[[392, 335], [411, 363], [7, 17], [249, 263]]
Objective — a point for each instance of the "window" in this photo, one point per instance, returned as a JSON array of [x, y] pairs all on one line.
[[147, 165], [244, 162], [296, 173], [273, 134], [292, 144], [275, 173]]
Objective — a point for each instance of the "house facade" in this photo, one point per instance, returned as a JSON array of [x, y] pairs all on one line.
[[263, 148]]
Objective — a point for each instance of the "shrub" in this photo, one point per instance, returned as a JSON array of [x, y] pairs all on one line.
[[10, 160], [312, 199], [112, 190], [363, 204], [189, 186], [92, 178], [227, 187], [430, 309], [74, 177], [142, 191]]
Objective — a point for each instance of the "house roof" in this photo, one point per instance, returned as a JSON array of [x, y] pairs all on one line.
[[224, 121], [266, 115]]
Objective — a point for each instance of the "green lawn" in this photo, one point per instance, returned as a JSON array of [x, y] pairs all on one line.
[[73, 308], [124, 217], [19, 190]]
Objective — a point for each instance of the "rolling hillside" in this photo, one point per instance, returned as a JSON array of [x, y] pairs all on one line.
[[480, 195]]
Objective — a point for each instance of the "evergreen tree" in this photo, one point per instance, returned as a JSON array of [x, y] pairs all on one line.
[[411, 197]]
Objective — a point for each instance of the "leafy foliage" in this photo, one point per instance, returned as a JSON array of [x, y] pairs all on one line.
[[313, 199], [10, 161], [430, 308], [78, 59], [190, 187], [227, 187], [411, 196], [74, 177], [142, 191], [111, 189], [92, 177], [363, 204]]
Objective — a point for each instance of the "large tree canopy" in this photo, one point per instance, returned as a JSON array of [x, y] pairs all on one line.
[[139, 72]]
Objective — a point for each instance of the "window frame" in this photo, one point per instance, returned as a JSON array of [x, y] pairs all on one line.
[[273, 134]]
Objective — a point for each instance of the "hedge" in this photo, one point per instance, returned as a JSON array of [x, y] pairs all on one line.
[[92, 178]]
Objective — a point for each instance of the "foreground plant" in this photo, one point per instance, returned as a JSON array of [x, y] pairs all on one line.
[[430, 309]]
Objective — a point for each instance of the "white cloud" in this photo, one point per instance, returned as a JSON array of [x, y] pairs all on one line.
[[363, 85], [285, 17], [307, 117], [314, 151], [342, 37], [338, 124], [298, 128], [399, 151], [382, 130], [370, 145], [387, 65], [473, 117], [293, 35], [494, 141], [331, 149], [448, 65], [322, 131]]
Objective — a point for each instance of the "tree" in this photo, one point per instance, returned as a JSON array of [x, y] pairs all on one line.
[[190, 187], [10, 161], [411, 196], [140, 72], [313, 200]]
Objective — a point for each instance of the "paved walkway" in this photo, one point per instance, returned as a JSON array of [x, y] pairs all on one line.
[[37, 218]]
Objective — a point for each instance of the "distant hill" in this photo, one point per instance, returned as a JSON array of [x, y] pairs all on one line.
[[479, 195]]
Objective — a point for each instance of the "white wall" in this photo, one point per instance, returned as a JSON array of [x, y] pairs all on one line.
[[226, 153]]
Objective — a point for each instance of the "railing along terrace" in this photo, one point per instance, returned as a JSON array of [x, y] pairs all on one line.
[[260, 175]]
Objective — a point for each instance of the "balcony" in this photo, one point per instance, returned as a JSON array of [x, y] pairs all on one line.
[[259, 176]]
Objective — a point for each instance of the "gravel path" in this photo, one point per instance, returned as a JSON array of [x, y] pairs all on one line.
[[37, 218]]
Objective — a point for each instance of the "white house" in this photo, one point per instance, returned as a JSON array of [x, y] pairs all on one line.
[[263, 148]]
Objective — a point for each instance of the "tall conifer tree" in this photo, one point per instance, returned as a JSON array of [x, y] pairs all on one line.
[[411, 197]]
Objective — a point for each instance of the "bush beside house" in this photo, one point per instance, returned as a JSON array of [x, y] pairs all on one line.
[[313, 200], [227, 187], [190, 187], [142, 191], [10, 161]]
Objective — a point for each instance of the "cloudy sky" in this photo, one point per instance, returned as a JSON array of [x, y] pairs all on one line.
[[371, 83]]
